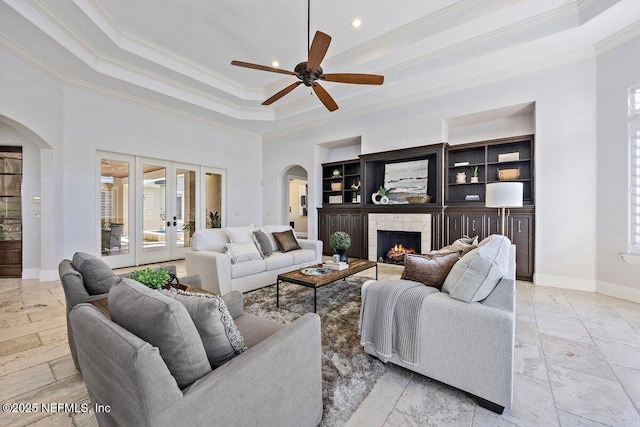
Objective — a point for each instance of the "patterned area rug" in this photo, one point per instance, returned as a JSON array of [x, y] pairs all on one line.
[[348, 373]]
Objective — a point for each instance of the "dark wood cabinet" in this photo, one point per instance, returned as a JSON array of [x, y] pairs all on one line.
[[484, 222], [457, 204], [521, 233], [330, 221]]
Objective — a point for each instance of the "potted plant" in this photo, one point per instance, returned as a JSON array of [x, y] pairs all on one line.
[[190, 226], [152, 278], [340, 242], [381, 196], [474, 177]]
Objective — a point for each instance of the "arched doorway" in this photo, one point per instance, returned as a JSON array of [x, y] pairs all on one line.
[[296, 199]]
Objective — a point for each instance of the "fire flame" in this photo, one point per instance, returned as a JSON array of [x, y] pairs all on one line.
[[400, 249]]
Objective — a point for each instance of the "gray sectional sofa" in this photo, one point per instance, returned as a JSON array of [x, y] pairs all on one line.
[[276, 381], [466, 331], [219, 275]]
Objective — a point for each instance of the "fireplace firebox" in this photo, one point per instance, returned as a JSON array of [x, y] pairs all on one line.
[[394, 245]]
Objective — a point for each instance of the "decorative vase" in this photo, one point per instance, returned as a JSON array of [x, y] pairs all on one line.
[[461, 178], [384, 200], [474, 179], [343, 254], [376, 198]]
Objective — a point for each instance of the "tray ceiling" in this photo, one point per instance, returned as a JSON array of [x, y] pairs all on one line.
[[176, 55]]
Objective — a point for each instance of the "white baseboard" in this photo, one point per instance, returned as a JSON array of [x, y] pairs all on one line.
[[31, 273], [573, 283], [49, 275], [618, 291]]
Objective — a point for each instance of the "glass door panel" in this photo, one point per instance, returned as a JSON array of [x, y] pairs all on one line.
[[213, 184], [154, 208], [185, 207], [115, 201]]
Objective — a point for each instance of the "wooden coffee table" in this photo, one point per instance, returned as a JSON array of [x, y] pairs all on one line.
[[315, 282]]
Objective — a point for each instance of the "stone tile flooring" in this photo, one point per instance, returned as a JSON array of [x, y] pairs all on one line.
[[577, 362]]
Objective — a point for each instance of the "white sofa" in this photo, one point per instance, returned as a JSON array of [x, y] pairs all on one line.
[[219, 275]]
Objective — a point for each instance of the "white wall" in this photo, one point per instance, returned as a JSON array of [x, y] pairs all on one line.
[[76, 123], [617, 72], [565, 158]]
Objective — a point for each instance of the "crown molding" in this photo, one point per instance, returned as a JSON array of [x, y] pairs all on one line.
[[431, 93], [150, 51], [65, 79], [616, 39]]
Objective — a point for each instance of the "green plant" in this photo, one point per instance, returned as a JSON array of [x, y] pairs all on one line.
[[339, 240], [475, 171], [384, 191], [153, 278], [190, 226]]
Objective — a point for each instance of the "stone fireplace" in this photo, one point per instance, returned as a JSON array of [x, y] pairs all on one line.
[[388, 223], [392, 246]]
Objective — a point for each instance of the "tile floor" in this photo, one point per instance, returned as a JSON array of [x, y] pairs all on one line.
[[577, 362]]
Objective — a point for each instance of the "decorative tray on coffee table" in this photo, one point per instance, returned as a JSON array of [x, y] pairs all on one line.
[[315, 271]]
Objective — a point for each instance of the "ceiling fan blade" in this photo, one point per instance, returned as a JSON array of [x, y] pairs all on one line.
[[359, 79], [324, 97], [318, 50], [282, 93], [262, 68]]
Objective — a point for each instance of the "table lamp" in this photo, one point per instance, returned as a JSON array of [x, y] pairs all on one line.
[[504, 195]]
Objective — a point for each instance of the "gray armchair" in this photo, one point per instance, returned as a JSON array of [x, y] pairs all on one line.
[[277, 381], [94, 285]]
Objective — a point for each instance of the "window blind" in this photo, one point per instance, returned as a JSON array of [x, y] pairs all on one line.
[[635, 186], [634, 100]]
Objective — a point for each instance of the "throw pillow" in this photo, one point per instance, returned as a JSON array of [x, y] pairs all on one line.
[[464, 244], [286, 241], [241, 234], [164, 323], [270, 229], [478, 272], [240, 252], [220, 336], [262, 243], [430, 270], [98, 277]]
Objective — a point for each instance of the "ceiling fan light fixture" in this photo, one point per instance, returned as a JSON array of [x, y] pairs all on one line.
[[356, 23], [275, 64]]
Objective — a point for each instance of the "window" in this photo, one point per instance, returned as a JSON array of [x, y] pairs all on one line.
[[634, 134], [634, 100]]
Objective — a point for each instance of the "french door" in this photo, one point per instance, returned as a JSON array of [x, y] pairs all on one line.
[[149, 208]]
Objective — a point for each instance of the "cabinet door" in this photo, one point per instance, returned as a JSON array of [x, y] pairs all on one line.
[[521, 235], [323, 232], [453, 226], [356, 233], [474, 225], [494, 224]]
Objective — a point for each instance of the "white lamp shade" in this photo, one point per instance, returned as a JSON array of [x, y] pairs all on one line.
[[504, 194]]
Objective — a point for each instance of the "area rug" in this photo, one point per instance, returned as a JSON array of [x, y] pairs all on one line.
[[348, 373]]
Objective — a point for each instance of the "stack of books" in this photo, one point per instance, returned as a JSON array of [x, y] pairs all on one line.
[[335, 265]]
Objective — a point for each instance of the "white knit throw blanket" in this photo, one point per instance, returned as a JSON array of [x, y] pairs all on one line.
[[393, 305]]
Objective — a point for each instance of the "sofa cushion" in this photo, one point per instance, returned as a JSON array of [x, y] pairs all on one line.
[[241, 234], [221, 338], [464, 244], [279, 260], [430, 270], [478, 272], [98, 277], [246, 268], [209, 239], [270, 229], [303, 255], [241, 252], [262, 243], [163, 323], [255, 329], [286, 241]]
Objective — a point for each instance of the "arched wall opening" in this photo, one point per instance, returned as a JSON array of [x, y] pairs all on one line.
[[294, 201]]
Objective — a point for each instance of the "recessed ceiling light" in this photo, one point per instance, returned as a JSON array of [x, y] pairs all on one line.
[[275, 64], [356, 23]]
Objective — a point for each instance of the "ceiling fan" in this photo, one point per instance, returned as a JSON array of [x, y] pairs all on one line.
[[309, 72]]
